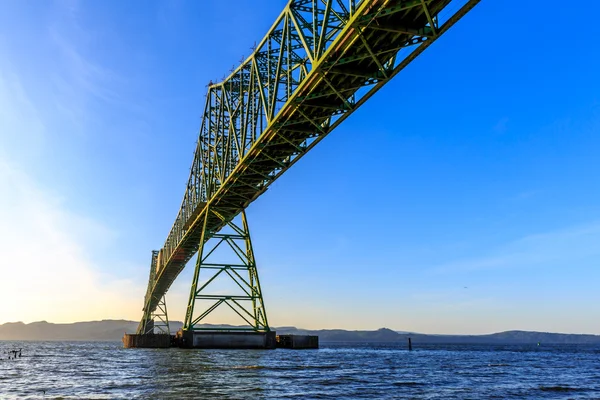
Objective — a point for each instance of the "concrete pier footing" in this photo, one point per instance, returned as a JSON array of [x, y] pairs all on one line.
[[221, 340], [151, 341], [297, 342], [226, 340]]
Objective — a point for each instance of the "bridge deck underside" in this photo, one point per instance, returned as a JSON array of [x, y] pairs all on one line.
[[348, 67]]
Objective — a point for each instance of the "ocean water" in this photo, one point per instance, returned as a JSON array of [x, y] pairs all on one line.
[[104, 370]]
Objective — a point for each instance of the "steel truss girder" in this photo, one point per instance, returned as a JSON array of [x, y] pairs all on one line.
[[238, 242], [319, 62]]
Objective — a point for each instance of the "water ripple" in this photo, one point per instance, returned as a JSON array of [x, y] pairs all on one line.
[[76, 370]]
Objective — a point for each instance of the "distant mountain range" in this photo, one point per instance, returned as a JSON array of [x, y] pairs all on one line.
[[113, 330]]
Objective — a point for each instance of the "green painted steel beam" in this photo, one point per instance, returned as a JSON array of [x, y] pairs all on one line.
[[318, 63]]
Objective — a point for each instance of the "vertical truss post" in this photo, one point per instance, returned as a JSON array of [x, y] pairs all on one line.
[[247, 301], [189, 314], [158, 318]]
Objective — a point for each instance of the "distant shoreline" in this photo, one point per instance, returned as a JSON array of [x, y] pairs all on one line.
[[113, 330]]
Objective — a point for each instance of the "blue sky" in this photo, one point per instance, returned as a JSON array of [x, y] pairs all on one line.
[[462, 198]]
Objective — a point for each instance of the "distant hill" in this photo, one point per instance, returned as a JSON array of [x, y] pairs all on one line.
[[113, 330], [93, 330], [387, 335]]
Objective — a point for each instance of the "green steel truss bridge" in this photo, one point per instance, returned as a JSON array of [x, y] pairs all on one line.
[[319, 62]]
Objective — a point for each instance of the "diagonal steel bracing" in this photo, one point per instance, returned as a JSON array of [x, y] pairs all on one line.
[[245, 298], [318, 63], [157, 321]]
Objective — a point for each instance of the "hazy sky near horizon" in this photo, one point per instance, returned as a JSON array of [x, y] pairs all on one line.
[[462, 198]]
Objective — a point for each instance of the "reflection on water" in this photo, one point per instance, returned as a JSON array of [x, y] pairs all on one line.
[[106, 371]]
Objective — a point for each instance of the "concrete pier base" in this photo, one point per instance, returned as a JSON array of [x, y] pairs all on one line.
[[150, 341], [297, 342], [226, 340], [221, 340]]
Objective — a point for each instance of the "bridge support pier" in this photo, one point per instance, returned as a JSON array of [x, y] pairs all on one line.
[[149, 341], [159, 318], [225, 340], [158, 321], [230, 284]]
